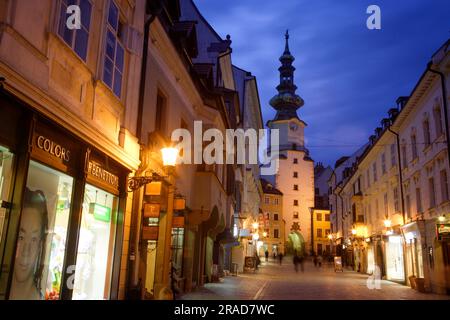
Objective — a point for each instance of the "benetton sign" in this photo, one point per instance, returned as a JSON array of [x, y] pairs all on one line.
[[105, 176]]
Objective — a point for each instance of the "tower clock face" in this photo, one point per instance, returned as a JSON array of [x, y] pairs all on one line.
[[293, 126]]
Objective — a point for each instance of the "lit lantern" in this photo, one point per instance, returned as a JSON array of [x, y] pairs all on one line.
[[169, 156], [264, 234], [255, 225], [387, 223]]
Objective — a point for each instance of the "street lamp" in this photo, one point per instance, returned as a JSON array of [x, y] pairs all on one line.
[[169, 156], [353, 231], [264, 234], [255, 225], [387, 223], [441, 218]]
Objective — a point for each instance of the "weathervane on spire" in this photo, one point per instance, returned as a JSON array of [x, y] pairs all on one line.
[[287, 41]]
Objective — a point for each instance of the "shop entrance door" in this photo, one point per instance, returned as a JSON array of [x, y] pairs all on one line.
[[394, 259]]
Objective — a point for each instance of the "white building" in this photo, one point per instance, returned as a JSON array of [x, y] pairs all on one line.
[[295, 176]]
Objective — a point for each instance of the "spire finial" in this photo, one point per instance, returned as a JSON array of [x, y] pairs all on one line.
[[286, 49]]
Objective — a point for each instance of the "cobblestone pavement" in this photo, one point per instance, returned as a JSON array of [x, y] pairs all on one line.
[[275, 282]]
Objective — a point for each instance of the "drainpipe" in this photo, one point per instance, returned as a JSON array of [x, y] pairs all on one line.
[[444, 97], [397, 138]]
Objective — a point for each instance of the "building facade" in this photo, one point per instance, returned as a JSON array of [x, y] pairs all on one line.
[[272, 227], [68, 148], [395, 196]]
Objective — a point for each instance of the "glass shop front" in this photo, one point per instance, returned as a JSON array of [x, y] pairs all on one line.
[[61, 212]]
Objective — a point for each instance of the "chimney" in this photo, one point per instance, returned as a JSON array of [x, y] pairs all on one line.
[[372, 139], [378, 131]]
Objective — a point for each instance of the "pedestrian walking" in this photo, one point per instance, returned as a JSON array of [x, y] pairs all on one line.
[[280, 258], [301, 261], [296, 262], [274, 255], [315, 260], [267, 255], [319, 260]]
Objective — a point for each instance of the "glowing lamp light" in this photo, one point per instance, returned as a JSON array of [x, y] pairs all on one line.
[[264, 234], [255, 225], [343, 246], [387, 223], [367, 239], [169, 156], [330, 236], [255, 236], [353, 231], [441, 218]]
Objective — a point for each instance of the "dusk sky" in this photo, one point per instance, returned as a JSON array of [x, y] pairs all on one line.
[[348, 75]]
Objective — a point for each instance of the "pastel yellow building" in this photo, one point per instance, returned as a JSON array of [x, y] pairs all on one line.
[[321, 229], [273, 225]]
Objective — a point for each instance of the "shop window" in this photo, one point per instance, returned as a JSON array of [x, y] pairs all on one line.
[[177, 249], [96, 245], [114, 51], [6, 165], [41, 243], [77, 39]]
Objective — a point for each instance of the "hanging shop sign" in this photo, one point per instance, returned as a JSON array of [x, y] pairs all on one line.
[[152, 210], [443, 231], [150, 232], [178, 222]]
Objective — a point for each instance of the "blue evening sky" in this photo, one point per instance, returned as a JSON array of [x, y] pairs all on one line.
[[349, 76]]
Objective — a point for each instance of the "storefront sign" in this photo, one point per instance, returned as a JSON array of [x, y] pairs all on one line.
[[443, 228], [100, 212], [151, 210], [150, 233], [105, 176], [53, 148]]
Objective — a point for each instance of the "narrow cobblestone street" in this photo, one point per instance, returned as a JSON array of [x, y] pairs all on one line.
[[275, 282]]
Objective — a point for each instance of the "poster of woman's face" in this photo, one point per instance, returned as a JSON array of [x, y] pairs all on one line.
[[30, 249]]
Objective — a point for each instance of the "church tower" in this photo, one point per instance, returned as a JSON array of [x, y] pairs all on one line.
[[295, 176]]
